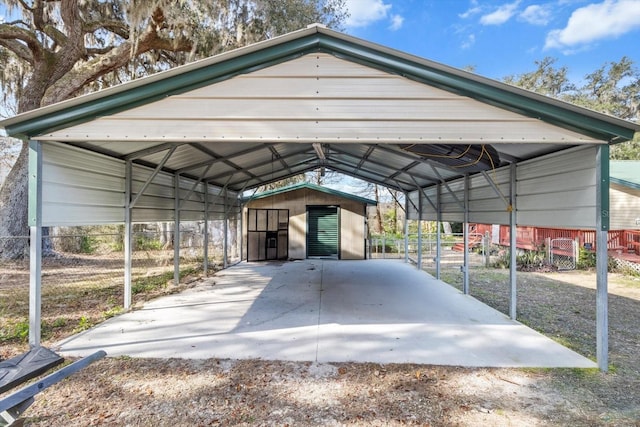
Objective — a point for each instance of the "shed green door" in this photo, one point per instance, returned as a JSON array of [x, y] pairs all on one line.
[[322, 234]]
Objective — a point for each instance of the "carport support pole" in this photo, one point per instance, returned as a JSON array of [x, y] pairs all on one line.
[[205, 249], [35, 250], [176, 231], [241, 243], [406, 227], [465, 267], [225, 241], [438, 235], [419, 254], [128, 249], [602, 231], [513, 293]]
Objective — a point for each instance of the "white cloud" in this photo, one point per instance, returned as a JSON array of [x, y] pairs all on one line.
[[396, 22], [469, 42], [536, 15], [500, 15], [365, 12], [609, 19], [473, 10]]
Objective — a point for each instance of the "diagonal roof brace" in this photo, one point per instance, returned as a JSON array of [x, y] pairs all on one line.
[[153, 175]]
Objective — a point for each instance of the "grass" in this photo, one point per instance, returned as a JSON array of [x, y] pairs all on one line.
[[73, 301]]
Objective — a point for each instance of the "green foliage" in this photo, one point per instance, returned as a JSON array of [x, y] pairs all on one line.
[[613, 89], [18, 331], [152, 283], [145, 243], [88, 244], [586, 259], [83, 324]]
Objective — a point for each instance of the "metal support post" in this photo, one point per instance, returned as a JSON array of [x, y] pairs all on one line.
[[225, 241], [176, 231], [438, 235], [241, 244], [465, 238], [513, 289], [602, 229], [35, 250], [406, 227], [205, 249], [419, 255], [128, 230]]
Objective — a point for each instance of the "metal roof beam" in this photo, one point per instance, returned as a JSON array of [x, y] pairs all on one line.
[[421, 190], [495, 188], [279, 157], [366, 156], [373, 181], [152, 150], [217, 156], [446, 184], [263, 163], [392, 176], [417, 158], [384, 177], [153, 175], [276, 179], [218, 159]]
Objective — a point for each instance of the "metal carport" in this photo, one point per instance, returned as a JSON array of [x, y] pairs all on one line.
[[186, 143]]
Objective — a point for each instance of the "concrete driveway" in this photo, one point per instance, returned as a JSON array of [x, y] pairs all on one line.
[[381, 311]]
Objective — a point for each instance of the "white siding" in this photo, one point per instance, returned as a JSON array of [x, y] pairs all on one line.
[[558, 190], [80, 187], [84, 188], [625, 207]]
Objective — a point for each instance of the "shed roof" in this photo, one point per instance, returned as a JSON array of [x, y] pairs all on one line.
[[625, 172], [318, 98], [313, 187]]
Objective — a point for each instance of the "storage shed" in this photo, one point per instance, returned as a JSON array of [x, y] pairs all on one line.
[[305, 221]]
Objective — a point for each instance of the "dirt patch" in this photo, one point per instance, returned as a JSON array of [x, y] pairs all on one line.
[[126, 391]]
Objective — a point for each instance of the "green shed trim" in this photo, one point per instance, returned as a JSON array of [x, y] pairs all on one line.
[[309, 186], [318, 39]]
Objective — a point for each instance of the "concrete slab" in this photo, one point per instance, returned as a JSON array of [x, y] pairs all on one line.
[[381, 311]]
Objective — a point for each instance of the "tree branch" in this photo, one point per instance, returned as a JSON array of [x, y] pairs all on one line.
[[12, 36], [18, 49], [117, 58], [116, 27]]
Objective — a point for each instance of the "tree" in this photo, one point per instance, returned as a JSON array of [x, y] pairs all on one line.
[[613, 89], [52, 50], [546, 79]]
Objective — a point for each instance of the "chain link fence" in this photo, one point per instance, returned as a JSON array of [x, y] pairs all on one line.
[[451, 250], [83, 270]]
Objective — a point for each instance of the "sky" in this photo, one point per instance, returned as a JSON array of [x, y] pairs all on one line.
[[503, 38]]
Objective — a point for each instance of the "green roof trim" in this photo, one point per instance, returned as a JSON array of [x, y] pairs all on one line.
[[317, 39], [313, 187], [625, 172]]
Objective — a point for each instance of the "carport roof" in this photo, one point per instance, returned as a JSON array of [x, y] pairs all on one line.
[[318, 98]]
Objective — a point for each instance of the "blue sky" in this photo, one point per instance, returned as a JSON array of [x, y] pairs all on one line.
[[501, 38]]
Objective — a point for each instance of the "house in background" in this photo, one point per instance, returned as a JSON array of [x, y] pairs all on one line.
[[624, 194], [305, 221]]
